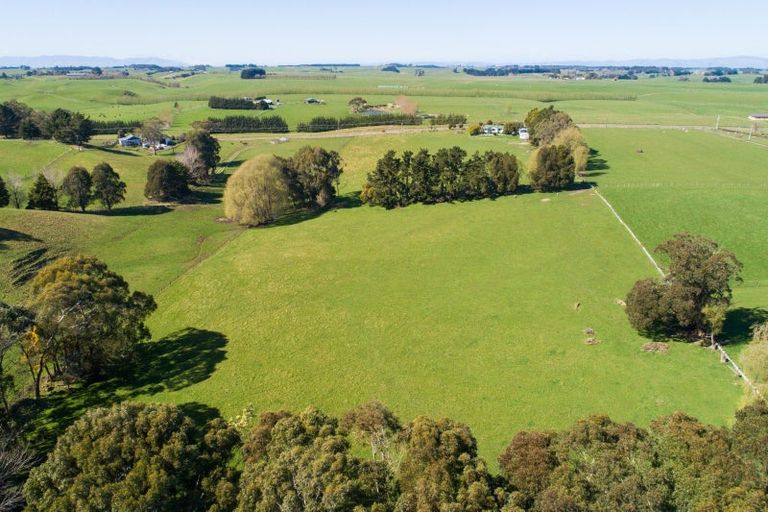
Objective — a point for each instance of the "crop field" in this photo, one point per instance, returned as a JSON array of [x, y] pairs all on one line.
[[473, 310]]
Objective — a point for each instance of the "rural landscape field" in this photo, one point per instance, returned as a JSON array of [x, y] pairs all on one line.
[[322, 327]]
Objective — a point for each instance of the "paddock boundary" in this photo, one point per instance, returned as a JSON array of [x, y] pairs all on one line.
[[724, 356]]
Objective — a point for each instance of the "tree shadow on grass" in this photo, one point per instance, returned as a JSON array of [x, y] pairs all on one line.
[[596, 165], [739, 323], [11, 235], [346, 201], [172, 363], [130, 211], [111, 150]]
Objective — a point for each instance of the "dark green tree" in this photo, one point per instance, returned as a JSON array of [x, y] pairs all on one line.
[[69, 127], [86, 318], [696, 289], [5, 198], [384, 187], [135, 457], [77, 187], [207, 148], [15, 322], [43, 195], [167, 180], [312, 174], [503, 171], [423, 177], [441, 470], [553, 169], [108, 189]]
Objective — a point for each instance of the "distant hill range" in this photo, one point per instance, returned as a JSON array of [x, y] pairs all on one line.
[[48, 61], [726, 62]]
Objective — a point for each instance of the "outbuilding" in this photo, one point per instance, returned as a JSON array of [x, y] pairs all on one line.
[[493, 129], [130, 141]]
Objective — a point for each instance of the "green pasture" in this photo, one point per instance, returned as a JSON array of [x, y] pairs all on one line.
[[472, 310]]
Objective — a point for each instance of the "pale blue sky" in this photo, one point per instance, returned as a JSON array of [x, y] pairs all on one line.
[[294, 31]]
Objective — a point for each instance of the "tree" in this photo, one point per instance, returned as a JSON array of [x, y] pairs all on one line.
[[384, 187], [205, 156], [107, 187], [527, 464], [502, 169], [423, 177], [86, 319], [152, 130], [134, 457], [15, 323], [441, 470], [16, 193], [43, 195], [77, 187], [253, 73], [257, 193], [694, 295], [167, 180], [9, 121], [377, 425], [69, 127], [312, 175], [303, 462], [15, 460], [552, 168], [5, 198], [357, 104]]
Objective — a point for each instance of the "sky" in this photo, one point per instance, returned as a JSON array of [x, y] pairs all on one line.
[[445, 31]]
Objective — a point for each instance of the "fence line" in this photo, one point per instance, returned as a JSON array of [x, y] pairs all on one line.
[[724, 356]]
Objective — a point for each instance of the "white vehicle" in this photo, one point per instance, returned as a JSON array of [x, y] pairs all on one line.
[[523, 133]]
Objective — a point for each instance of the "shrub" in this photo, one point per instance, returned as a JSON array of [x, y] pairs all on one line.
[[257, 193]]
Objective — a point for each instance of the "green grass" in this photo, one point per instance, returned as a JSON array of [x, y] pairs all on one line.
[[465, 310]]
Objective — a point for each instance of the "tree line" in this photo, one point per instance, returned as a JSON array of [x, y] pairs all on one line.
[[325, 124], [116, 126], [155, 457], [253, 73], [18, 120], [79, 187], [244, 124], [236, 104], [448, 175]]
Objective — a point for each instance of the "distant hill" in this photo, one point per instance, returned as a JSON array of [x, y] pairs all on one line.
[[46, 61], [730, 62]]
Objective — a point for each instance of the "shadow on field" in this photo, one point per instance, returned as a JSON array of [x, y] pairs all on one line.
[[179, 360], [10, 235], [739, 323], [129, 211], [596, 165], [350, 200], [111, 150]]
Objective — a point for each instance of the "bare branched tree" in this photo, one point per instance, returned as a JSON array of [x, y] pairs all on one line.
[[15, 185], [193, 161], [15, 460]]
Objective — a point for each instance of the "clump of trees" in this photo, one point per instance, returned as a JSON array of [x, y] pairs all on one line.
[[717, 79], [145, 456], [325, 124], [80, 320], [245, 124], [167, 180], [136, 457], [17, 120], [233, 103], [253, 73], [448, 175], [451, 120], [80, 188], [545, 124], [265, 187], [762, 79], [201, 155], [694, 296], [257, 193], [552, 168]]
